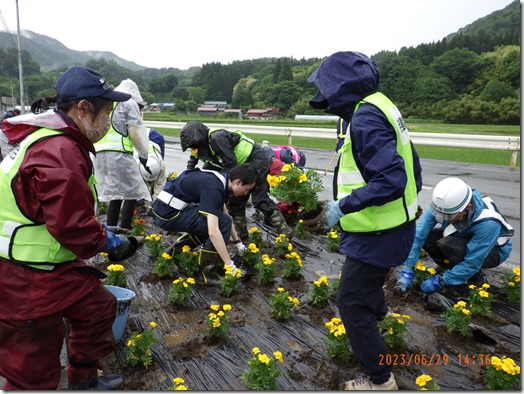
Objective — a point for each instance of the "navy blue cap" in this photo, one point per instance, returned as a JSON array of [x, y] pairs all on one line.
[[80, 83]]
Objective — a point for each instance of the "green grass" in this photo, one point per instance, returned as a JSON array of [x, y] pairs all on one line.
[[464, 155]]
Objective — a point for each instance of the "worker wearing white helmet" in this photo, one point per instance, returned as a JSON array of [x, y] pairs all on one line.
[[155, 178], [472, 235]]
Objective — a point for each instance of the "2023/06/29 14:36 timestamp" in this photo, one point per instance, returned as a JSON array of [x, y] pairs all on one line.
[[401, 359]]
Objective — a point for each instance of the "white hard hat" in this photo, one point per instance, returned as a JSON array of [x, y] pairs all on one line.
[[154, 165], [450, 197]]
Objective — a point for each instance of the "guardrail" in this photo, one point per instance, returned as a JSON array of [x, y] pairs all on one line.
[[508, 143]]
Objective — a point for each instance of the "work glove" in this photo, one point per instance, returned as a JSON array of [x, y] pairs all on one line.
[[432, 284], [240, 246], [406, 278], [143, 161], [119, 247], [327, 218], [234, 269]]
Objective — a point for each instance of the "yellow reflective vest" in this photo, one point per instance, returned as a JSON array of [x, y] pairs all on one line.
[[394, 213], [23, 241], [114, 141]]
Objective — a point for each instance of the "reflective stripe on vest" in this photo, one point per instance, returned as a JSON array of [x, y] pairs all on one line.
[[242, 150], [394, 213], [114, 141], [488, 213], [21, 240], [177, 203]]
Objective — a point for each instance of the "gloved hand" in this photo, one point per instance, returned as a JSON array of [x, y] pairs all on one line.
[[119, 247], [234, 269], [406, 278], [432, 284], [241, 247], [328, 217], [143, 161]]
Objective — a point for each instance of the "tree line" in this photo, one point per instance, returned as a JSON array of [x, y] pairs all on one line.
[[472, 76]]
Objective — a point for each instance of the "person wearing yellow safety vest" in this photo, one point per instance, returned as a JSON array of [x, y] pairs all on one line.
[[221, 150], [47, 227], [119, 181], [378, 179]]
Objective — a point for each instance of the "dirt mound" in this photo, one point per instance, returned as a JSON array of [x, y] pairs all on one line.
[[182, 351]]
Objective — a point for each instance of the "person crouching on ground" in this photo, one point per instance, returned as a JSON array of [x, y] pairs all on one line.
[[194, 202], [472, 235]]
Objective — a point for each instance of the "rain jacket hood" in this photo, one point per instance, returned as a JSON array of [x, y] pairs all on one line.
[[130, 87], [342, 80], [19, 127]]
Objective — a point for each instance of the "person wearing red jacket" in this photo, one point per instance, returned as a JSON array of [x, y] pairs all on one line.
[[47, 226]]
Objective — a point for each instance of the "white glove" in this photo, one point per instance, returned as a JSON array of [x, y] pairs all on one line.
[[240, 247]]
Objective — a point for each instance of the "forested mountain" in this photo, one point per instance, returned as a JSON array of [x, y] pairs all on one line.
[[470, 76]]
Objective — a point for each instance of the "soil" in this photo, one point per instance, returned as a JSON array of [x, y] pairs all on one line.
[[182, 351]]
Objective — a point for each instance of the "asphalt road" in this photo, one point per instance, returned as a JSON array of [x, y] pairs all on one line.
[[501, 183]]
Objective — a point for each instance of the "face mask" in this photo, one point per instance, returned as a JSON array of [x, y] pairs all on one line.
[[96, 134], [463, 224]]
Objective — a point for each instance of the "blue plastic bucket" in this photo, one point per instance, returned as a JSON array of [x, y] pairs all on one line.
[[124, 297]]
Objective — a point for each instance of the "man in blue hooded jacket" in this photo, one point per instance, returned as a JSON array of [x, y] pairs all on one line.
[[378, 178], [472, 235]]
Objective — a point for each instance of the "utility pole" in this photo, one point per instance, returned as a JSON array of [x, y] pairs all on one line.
[[20, 67]]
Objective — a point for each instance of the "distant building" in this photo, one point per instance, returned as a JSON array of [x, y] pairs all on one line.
[[207, 110], [220, 105], [264, 114], [160, 107]]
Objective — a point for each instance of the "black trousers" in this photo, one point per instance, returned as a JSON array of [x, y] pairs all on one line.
[[361, 302], [454, 249], [191, 221]]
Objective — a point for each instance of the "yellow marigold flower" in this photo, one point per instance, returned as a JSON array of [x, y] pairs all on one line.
[[130, 343], [422, 380], [216, 323], [115, 267], [395, 315], [406, 317], [152, 324], [180, 387], [148, 238], [104, 254], [461, 303], [432, 271], [226, 307], [390, 331], [400, 321], [186, 249], [286, 168], [215, 307], [255, 350], [178, 380], [419, 266], [289, 247], [486, 286], [185, 285], [220, 313], [263, 358], [194, 151], [191, 281], [465, 311], [212, 316], [254, 230], [273, 180], [483, 294], [278, 356], [280, 289], [166, 256], [253, 248], [302, 178], [511, 284], [301, 221], [472, 287], [516, 271]]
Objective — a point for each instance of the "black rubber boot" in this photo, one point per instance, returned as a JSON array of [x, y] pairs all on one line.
[[185, 239], [102, 383], [211, 267]]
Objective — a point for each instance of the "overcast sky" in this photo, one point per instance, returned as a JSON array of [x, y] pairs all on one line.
[[186, 33]]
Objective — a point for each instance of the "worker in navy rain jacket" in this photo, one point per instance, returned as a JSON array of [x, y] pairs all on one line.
[[194, 203], [47, 227], [472, 235], [379, 177]]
